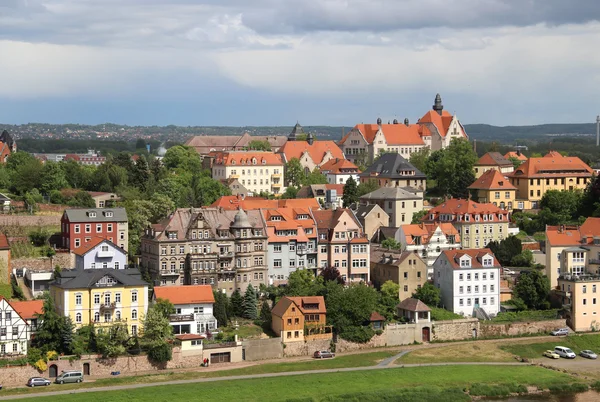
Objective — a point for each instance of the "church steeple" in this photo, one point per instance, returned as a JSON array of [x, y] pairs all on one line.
[[297, 130], [437, 104]]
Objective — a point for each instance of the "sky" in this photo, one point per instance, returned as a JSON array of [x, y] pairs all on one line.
[[319, 62]]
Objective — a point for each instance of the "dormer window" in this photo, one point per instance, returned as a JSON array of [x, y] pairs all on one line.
[[465, 261], [92, 214], [264, 162], [488, 262], [275, 218], [254, 161], [109, 214], [233, 162], [467, 218]]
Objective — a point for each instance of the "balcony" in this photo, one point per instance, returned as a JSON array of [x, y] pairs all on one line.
[[276, 175], [278, 185], [181, 317], [228, 254], [108, 306], [594, 261], [106, 253], [234, 176], [169, 273]]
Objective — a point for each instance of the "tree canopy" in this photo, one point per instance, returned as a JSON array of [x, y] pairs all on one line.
[[452, 168]]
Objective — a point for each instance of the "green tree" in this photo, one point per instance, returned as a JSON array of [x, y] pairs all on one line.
[[53, 177], [161, 206], [49, 334], [418, 216], [452, 168], [265, 314], [428, 294], [560, 207], [182, 157], [506, 249], [67, 336], [349, 309], [533, 287], [82, 199], [139, 213], [350, 192], [220, 308], [257, 145], [331, 273], [17, 292], [237, 303], [419, 159], [515, 161], [140, 173], [294, 173], [112, 341], [27, 177], [525, 259], [315, 177], [157, 335], [590, 200], [303, 282], [391, 243], [250, 303], [367, 187], [290, 193], [164, 307], [388, 299]]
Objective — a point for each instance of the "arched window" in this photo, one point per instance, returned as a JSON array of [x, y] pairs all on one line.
[[97, 316], [78, 318], [134, 314], [118, 315]]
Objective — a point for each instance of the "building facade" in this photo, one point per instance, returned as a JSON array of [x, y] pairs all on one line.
[[371, 218], [469, 281], [492, 187], [295, 319], [193, 308], [493, 161], [399, 203], [80, 226], [14, 333], [406, 268], [205, 144], [226, 249], [338, 171], [311, 154], [392, 170], [477, 224], [258, 171]]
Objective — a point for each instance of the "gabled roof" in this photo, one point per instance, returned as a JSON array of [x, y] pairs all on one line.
[[395, 134], [375, 316], [288, 219], [328, 219], [339, 166], [317, 150], [233, 202], [12, 306], [187, 294], [87, 278], [205, 143], [77, 215], [86, 247], [563, 235], [515, 155], [282, 305], [493, 159], [492, 180], [28, 309], [553, 165], [247, 158], [459, 206], [302, 301], [390, 166], [476, 256], [411, 304], [441, 123], [381, 255], [390, 193], [426, 230]]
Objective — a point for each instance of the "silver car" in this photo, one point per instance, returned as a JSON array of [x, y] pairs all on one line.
[[37, 382], [588, 354]]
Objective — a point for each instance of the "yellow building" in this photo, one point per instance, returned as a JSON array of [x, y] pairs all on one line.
[[95, 294], [257, 171], [552, 172], [494, 188]]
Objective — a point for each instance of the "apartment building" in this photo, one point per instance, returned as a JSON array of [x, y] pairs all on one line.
[[258, 171], [552, 172], [405, 268], [311, 154], [292, 242], [469, 281], [399, 203], [338, 171], [79, 226], [226, 249], [343, 244], [477, 223], [392, 170], [193, 308], [493, 187]]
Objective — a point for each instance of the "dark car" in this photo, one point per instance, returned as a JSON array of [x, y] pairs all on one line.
[[37, 382], [323, 354]]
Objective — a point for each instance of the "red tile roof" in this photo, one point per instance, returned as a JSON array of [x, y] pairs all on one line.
[[289, 221], [87, 246], [189, 337], [492, 180], [453, 257], [29, 308], [232, 202], [247, 158], [426, 230], [442, 123], [493, 159], [457, 206], [395, 134], [4, 242], [553, 165], [302, 301], [337, 166], [317, 150], [188, 294], [513, 154]]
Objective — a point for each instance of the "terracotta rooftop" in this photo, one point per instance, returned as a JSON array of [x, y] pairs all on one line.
[[493, 159], [317, 150], [516, 155], [553, 165], [338, 166], [492, 180], [187, 294], [458, 206], [90, 245], [395, 134], [233, 202], [476, 255], [300, 301], [247, 158], [4, 242], [189, 337], [426, 230], [29, 308]]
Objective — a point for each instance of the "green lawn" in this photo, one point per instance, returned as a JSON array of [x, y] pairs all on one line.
[[535, 350], [357, 360], [6, 291], [440, 314], [431, 382]]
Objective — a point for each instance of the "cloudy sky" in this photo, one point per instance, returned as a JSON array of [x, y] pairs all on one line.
[[273, 62]]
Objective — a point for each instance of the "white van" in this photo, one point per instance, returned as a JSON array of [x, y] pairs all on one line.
[[565, 352]]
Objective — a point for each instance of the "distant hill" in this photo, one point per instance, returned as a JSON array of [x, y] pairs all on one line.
[[511, 133]]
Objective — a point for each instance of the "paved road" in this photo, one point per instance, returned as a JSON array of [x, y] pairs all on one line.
[[246, 377]]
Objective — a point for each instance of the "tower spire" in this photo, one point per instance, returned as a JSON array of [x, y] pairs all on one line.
[[437, 104]]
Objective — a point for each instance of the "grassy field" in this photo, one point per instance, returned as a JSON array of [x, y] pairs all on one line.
[[535, 350], [440, 314], [432, 382], [358, 360], [471, 352], [6, 291]]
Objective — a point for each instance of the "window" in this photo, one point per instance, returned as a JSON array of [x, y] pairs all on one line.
[[484, 277], [406, 275], [468, 277], [97, 316], [109, 227], [491, 275], [117, 265], [88, 228], [77, 229], [468, 302], [461, 289], [584, 302], [97, 298], [277, 248], [461, 302], [468, 289], [491, 288], [77, 242], [134, 314], [15, 331], [117, 297], [460, 277], [484, 300], [78, 318], [98, 228], [406, 288], [78, 299], [484, 288], [491, 300], [134, 297], [476, 277]]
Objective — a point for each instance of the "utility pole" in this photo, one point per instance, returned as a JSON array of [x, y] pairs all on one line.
[[598, 131]]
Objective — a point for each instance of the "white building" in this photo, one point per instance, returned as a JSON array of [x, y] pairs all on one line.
[[100, 253], [469, 281], [338, 171], [429, 240], [193, 308], [13, 331]]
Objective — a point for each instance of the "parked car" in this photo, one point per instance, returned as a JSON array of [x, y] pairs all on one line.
[[551, 354], [38, 381], [69, 376], [588, 354], [507, 271], [565, 352], [323, 354], [560, 332]]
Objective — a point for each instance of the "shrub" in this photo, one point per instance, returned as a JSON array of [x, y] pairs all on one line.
[[357, 334], [41, 365], [39, 237], [160, 353]]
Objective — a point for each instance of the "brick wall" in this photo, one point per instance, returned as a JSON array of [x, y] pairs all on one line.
[[261, 349], [306, 348], [520, 328], [452, 330], [64, 260]]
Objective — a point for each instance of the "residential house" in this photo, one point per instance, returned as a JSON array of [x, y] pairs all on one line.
[[405, 268], [38, 280], [434, 130], [392, 170], [80, 225], [328, 195], [292, 242], [193, 308], [414, 310], [469, 280], [371, 218], [311, 154], [343, 244], [5, 265], [493, 187], [515, 156], [4, 203], [29, 310], [560, 238], [297, 319], [338, 171], [92, 158], [552, 172], [259, 171], [13, 331], [233, 202], [493, 161], [101, 293], [428, 240], [205, 144], [477, 223], [103, 199], [236, 187], [7, 146], [399, 203], [226, 249]]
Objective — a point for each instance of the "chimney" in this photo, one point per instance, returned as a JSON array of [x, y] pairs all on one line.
[[406, 122]]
